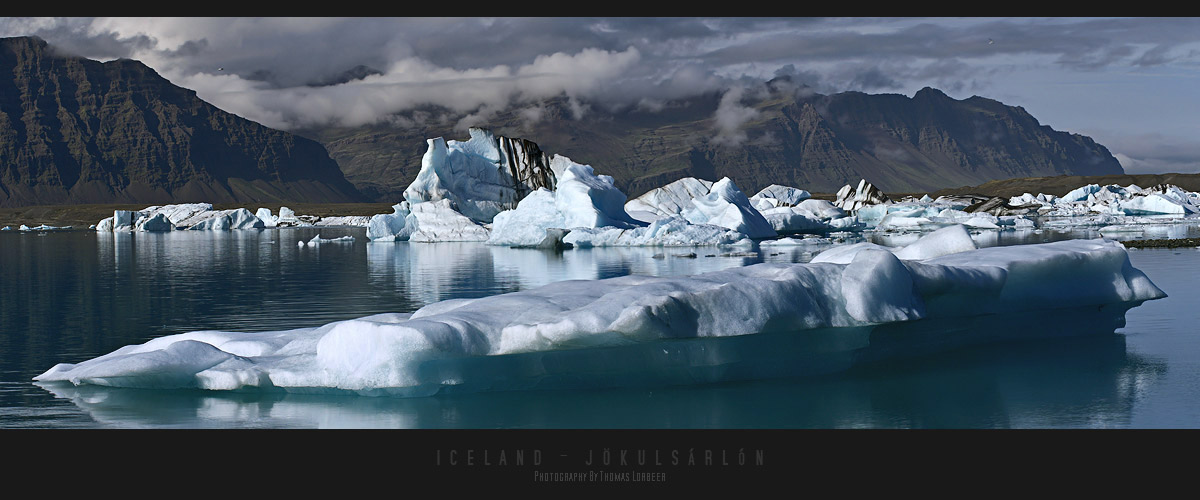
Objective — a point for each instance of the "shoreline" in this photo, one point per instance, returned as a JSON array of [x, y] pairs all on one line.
[[1163, 243]]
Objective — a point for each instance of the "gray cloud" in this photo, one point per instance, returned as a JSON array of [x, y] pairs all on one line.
[[1153, 152], [294, 72], [731, 114]]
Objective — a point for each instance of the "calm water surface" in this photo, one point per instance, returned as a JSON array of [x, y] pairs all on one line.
[[71, 296]]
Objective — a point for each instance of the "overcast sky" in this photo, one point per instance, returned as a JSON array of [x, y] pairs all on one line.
[[1132, 84]]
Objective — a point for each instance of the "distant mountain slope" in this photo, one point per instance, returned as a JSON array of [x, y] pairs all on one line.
[[812, 141], [74, 130]]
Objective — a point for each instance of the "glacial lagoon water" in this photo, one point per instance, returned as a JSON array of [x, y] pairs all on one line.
[[74, 295]]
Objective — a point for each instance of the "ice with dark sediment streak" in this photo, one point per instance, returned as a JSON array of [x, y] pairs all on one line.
[[706, 327]]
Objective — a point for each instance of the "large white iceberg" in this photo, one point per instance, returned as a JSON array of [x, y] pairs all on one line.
[[564, 329], [196, 216], [482, 176], [671, 199], [725, 205], [581, 200]]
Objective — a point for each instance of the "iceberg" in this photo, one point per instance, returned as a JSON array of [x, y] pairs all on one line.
[[318, 240], [535, 219], [726, 206], [714, 326], [671, 231], [220, 220], [1156, 204], [852, 198], [671, 199], [199, 216], [269, 220], [583, 200], [791, 220], [482, 176], [42, 227], [775, 196], [390, 227]]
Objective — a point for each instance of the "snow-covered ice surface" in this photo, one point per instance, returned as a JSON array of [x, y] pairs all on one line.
[[699, 328]]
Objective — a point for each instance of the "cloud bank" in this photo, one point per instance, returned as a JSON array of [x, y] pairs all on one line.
[[290, 73]]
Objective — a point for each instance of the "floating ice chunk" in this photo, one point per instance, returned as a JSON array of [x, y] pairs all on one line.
[[390, 227], [439, 221], [791, 242], [43, 227], [527, 225], [728, 207], [893, 221], [318, 240], [790, 220], [1017, 221], [671, 199], [269, 220], [1080, 193], [586, 199], [820, 209], [1156, 204], [945, 241], [6, 228], [667, 231], [778, 196], [581, 200], [851, 198], [850, 223]]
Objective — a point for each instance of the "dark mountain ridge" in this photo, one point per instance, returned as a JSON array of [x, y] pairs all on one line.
[[74, 130], [795, 137]]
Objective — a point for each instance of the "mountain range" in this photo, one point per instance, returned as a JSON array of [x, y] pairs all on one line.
[[73, 130], [792, 136]]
